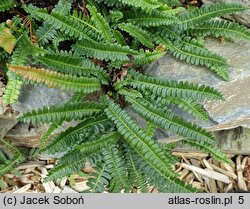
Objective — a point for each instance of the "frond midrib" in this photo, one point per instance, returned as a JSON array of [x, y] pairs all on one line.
[[207, 14]]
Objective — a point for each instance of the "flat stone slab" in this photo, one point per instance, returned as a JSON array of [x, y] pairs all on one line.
[[235, 110], [241, 17]]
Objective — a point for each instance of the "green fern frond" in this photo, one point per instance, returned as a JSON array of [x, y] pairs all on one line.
[[119, 38], [75, 135], [148, 57], [48, 133], [75, 160], [73, 64], [141, 35], [171, 3], [209, 149], [3, 158], [146, 5], [168, 120], [165, 88], [47, 32], [115, 16], [197, 55], [104, 51], [113, 3], [150, 20], [63, 7], [219, 28], [150, 129], [188, 105], [65, 112], [62, 170], [117, 169], [22, 51], [136, 177], [161, 182], [13, 89], [105, 140], [147, 148], [128, 92], [20, 56], [207, 12], [101, 24], [57, 80], [99, 180], [7, 4], [85, 21], [65, 24]]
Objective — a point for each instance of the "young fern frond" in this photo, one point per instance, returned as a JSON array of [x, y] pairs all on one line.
[[65, 112], [57, 80], [117, 169], [141, 35], [73, 64], [219, 28], [101, 24], [168, 120], [206, 12], [165, 88], [77, 134], [7, 4]]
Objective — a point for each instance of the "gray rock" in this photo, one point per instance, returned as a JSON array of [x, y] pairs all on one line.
[[235, 110], [242, 17], [236, 141], [6, 123], [34, 97]]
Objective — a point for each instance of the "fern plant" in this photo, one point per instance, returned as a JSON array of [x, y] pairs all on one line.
[[106, 46]]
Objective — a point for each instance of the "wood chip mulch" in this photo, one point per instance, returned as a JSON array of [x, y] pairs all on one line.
[[204, 173]]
